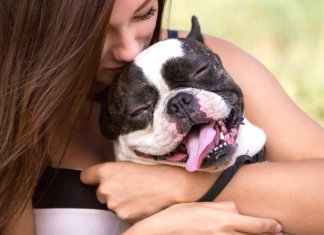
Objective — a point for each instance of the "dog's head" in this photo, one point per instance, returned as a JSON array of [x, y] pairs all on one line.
[[175, 104]]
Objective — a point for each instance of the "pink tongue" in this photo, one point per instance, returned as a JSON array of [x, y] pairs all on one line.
[[199, 143]]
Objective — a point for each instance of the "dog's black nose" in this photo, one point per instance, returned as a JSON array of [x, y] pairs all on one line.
[[181, 105]]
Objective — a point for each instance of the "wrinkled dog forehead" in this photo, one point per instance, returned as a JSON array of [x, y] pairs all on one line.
[[181, 54], [156, 56]]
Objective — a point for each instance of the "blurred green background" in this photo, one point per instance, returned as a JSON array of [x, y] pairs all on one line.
[[287, 36]]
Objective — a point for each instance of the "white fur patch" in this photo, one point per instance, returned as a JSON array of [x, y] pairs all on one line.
[[155, 56], [250, 139]]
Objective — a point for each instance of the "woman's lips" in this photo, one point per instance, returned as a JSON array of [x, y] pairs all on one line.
[[117, 69], [113, 71]]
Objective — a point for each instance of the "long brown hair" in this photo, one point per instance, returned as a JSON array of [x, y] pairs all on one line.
[[50, 53], [157, 32]]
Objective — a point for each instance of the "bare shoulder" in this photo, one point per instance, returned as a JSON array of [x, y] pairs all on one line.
[[22, 223], [291, 134]]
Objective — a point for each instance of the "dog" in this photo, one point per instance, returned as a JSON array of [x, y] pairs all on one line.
[[177, 105]]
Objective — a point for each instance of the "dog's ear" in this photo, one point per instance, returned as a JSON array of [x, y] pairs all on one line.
[[195, 32]]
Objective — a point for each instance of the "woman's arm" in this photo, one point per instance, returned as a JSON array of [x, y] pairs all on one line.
[[289, 192], [22, 223], [203, 218]]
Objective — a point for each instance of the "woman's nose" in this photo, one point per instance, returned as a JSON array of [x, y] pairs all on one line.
[[126, 48]]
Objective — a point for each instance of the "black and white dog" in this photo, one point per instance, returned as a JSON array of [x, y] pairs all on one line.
[[177, 105]]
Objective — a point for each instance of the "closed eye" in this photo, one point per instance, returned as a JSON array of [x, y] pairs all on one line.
[[139, 110], [201, 70], [148, 15]]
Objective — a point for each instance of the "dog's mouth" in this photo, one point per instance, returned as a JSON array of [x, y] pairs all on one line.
[[204, 145]]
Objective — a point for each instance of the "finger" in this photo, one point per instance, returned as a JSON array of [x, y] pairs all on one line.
[[92, 174], [255, 225], [101, 197]]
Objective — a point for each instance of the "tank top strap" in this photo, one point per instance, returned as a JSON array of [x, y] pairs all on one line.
[[172, 33]]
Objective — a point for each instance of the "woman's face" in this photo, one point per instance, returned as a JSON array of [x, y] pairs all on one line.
[[129, 31]]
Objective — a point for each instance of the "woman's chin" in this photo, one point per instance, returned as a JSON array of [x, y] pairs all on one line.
[[106, 76], [103, 81]]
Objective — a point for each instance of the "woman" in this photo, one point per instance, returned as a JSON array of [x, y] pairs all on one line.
[[62, 46]]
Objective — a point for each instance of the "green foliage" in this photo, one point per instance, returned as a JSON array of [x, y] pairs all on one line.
[[285, 35]]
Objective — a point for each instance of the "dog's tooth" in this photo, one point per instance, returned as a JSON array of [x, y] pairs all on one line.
[[222, 135], [225, 143]]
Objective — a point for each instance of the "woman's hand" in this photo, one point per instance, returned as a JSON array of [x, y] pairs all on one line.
[[203, 218], [135, 191]]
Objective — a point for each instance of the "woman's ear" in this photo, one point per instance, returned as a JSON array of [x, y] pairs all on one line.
[[195, 32]]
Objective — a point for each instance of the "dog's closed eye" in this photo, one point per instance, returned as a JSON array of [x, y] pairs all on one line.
[[201, 70], [139, 110]]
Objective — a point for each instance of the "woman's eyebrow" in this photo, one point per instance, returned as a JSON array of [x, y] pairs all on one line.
[[143, 5]]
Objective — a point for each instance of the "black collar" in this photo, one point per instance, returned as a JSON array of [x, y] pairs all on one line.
[[228, 174]]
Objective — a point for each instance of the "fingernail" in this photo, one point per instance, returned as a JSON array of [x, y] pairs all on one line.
[[278, 229]]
